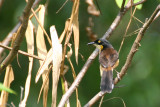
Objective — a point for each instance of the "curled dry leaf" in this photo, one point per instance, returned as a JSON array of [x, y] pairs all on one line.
[[92, 8], [92, 36], [57, 58], [30, 47], [9, 77]]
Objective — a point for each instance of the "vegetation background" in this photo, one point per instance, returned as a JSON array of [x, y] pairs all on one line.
[[142, 82]]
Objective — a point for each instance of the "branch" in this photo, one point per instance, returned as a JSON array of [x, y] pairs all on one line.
[[19, 37], [7, 40], [93, 56], [122, 7], [22, 52], [133, 50], [1, 2]]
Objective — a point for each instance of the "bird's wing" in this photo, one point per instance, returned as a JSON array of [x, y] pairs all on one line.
[[113, 58], [108, 57], [103, 60]]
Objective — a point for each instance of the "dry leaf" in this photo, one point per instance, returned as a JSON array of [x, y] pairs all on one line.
[[76, 35], [92, 8], [44, 65], [45, 83], [30, 47], [9, 77], [57, 58], [42, 52], [75, 24], [40, 41]]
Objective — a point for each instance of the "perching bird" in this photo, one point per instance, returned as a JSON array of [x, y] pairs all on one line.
[[108, 59]]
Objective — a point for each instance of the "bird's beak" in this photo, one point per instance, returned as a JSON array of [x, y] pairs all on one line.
[[91, 43]]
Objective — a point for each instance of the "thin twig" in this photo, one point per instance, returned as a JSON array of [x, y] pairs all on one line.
[[138, 20], [129, 23], [133, 50], [124, 105], [100, 104], [49, 40], [19, 38], [136, 44], [22, 52], [93, 56], [61, 7]]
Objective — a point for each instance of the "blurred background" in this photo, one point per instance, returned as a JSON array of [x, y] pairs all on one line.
[[142, 81]]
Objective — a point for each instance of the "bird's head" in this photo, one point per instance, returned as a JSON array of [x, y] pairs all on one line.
[[101, 44]]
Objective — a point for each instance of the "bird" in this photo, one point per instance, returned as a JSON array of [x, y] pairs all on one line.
[[109, 60]]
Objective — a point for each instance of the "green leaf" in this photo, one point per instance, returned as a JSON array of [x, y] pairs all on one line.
[[139, 7], [119, 3], [3, 88]]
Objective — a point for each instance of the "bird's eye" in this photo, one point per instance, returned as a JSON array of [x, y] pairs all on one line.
[[99, 41]]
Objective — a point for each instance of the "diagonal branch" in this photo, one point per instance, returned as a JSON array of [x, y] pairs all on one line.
[[19, 37], [133, 50], [93, 56]]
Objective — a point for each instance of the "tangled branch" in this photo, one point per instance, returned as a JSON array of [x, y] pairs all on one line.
[[19, 37], [95, 53], [132, 52]]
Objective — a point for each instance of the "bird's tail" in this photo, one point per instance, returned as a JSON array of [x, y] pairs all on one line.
[[107, 81]]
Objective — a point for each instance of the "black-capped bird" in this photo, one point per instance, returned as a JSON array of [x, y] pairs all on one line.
[[108, 59]]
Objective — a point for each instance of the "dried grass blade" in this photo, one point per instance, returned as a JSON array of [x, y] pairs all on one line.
[[30, 47], [46, 81], [42, 52], [57, 58], [44, 65], [9, 77], [92, 8], [76, 34]]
